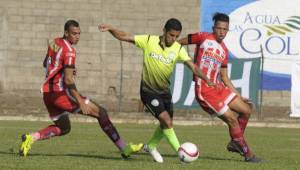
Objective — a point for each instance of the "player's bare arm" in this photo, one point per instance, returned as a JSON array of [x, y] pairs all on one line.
[[118, 34], [227, 81], [184, 41], [69, 80], [198, 72]]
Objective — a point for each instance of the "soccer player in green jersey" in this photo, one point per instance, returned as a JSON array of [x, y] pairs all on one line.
[[160, 56]]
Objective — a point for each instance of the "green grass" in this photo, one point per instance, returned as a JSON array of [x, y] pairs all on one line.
[[87, 147]]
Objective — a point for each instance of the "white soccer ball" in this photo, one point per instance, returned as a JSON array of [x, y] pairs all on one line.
[[188, 152]]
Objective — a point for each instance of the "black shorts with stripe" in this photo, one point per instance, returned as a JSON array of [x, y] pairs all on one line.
[[157, 103]]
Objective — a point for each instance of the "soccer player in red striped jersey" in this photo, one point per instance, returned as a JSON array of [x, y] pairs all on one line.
[[211, 56], [61, 96]]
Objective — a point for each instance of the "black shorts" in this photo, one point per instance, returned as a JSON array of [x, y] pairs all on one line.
[[157, 103]]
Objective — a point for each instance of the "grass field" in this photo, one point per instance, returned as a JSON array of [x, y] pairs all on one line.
[[87, 147]]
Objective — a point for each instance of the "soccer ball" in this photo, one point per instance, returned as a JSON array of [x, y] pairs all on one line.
[[188, 152]]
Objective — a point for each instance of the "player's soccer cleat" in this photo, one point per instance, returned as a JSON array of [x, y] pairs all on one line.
[[234, 147], [154, 153], [253, 159], [27, 141], [130, 149]]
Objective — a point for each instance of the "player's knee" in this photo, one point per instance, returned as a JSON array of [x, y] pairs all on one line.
[[102, 111], [167, 124], [247, 112], [232, 121]]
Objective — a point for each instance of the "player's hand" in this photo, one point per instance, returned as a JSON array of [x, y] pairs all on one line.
[[249, 102], [219, 86], [104, 27], [210, 84], [245, 99], [85, 109]]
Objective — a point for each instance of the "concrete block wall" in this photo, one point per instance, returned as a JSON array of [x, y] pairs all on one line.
[[27, 25]]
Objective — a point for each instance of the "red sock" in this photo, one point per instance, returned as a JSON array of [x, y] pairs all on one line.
[[243, 121], [111, 131], [237, 135], [48, 132]]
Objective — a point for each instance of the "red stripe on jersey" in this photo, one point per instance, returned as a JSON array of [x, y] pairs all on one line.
[[60, 54]]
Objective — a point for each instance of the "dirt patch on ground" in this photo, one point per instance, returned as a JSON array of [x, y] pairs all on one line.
[[20, 104]]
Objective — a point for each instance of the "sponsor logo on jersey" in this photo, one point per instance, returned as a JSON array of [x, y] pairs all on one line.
[[214, 55], [165, 60]]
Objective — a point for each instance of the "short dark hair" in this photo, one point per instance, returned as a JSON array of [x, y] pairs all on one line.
[[220, 17], [70, 23], [173, 24]]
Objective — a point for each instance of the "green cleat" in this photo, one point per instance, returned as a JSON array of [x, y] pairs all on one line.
[[130, 149], [27, 141]]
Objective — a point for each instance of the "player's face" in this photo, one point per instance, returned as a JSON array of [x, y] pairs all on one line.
[[171, 36], [73, 34], [220, 30]]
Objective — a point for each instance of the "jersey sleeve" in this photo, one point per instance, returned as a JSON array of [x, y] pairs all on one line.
[[69, 58], [183, 55], [196, 38], [141, 40]]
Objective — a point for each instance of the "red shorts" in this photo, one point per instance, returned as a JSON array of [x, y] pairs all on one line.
[[60, 103], [214, 101]]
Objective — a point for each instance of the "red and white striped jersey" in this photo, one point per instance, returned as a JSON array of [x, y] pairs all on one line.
[[61, 54], [210, 56]]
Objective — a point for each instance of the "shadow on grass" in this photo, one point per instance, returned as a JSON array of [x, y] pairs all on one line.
[[201, 157], [16, 153], [163, 155], [219, 159], [8, 152]]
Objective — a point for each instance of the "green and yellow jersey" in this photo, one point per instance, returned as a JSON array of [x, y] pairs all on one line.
[[159, 63]]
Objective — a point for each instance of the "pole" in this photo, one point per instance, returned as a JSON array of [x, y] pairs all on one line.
[[260, 117], [121, 76]]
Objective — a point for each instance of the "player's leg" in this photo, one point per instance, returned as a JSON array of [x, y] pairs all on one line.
[[110, 130], [166, 123], [237, 139], [60, 127], [235, 131], [244, 111], [155, 139], [173, 140], [106, 125], [151, 145], [217, 102], [160, 106], [165, 130], [154, 104]]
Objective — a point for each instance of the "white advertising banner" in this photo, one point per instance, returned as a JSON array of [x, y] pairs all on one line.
[[295, 90], [270, 25]]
